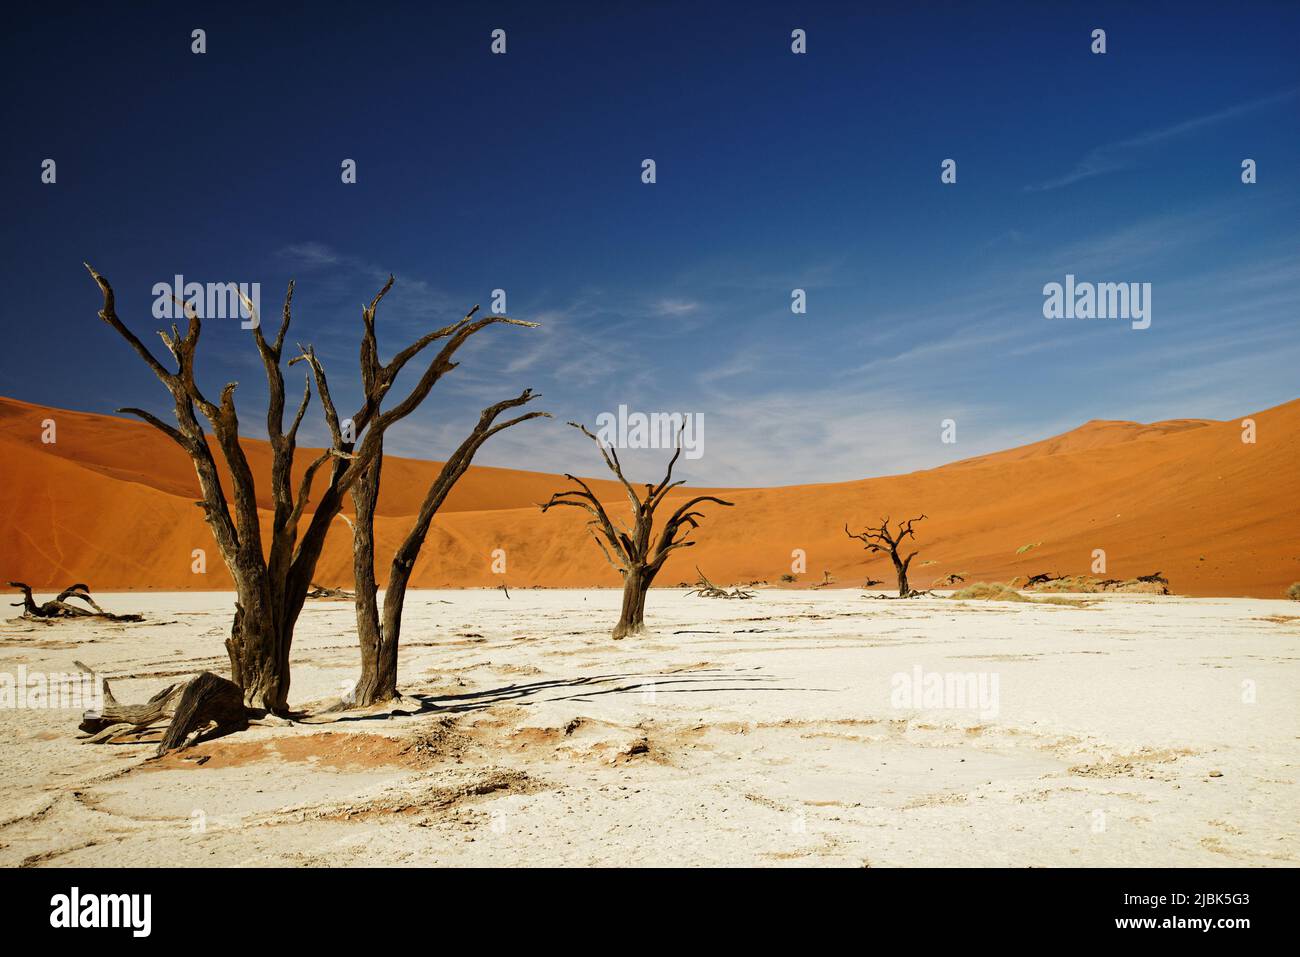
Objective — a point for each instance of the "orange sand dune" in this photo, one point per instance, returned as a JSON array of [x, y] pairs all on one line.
[[111, 503]]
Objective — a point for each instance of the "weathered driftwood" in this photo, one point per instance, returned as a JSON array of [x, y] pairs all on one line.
[[706, 589], [205, 703], [634, 552], [60, 608]]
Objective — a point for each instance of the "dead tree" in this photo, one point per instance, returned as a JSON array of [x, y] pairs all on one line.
[[379, 630], [60, 608], [271, 583], [633, 552], [882, 539]]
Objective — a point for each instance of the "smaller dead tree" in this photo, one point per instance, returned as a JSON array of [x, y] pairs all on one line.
[[827, 580], [883, 539], [60, 608], [634, 552]]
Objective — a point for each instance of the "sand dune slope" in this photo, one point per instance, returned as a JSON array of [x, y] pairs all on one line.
[[111, 503]]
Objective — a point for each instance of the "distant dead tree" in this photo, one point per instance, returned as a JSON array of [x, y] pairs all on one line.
[[882, 539], [271, 584], [379, 630], [633, 552]]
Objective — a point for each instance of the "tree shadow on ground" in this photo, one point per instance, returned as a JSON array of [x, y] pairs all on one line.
[[696, 681]]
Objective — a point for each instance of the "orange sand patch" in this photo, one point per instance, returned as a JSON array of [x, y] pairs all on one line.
[[330, 749]]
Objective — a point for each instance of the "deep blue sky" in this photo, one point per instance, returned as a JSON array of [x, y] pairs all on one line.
[[775, 171]]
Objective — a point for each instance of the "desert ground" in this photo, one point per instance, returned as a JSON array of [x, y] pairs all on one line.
[[1131, 730]]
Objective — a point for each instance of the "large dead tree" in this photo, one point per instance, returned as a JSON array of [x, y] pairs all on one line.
[[633, 551], [882, 539], [271, 583], [380, 630]]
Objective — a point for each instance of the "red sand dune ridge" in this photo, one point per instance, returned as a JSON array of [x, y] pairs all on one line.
[[111, 503]]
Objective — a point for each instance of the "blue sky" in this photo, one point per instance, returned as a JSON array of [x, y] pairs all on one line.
[[775, 171]]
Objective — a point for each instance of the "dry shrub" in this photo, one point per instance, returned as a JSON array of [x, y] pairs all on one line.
[[986, 591], [995, 591]]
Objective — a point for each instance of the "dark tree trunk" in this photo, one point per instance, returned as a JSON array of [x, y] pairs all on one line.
[[904, 589], [631, 619], [259, 659], [378, 681]]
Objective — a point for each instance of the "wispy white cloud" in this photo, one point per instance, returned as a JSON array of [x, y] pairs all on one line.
[[675, 307], [797, 403], [1126, 153]]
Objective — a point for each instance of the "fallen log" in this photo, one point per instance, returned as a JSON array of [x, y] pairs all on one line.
[[1041, 579], [60, 608], [205, 706], [324, 591], [1156, 578]]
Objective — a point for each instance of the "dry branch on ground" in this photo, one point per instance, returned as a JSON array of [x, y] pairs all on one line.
[[60, 608], [706, 589]]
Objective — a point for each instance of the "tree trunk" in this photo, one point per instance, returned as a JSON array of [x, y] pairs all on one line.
[[631, 620], [259, 659], [904, 589], [378, 681]]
